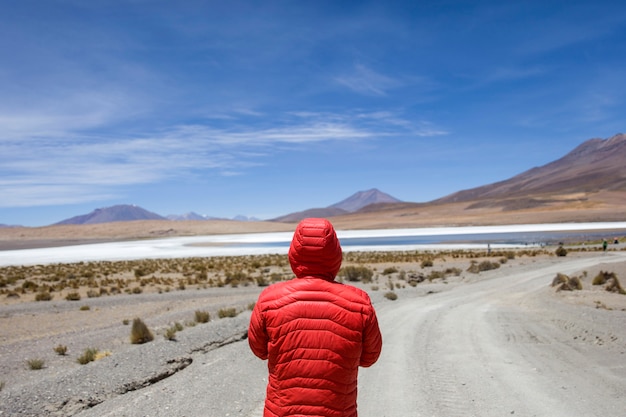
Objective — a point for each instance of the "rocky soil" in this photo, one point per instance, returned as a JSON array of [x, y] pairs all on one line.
[[494, 343]]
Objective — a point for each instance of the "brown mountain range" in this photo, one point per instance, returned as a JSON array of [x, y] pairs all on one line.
[[586, 185]]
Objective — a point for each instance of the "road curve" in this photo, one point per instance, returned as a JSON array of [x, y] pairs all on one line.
[[488, 348]]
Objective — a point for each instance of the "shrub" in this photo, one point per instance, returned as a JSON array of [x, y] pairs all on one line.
[[483, 266], [1, 385], [603, 277], [415, 279], [85, 308], [575, 283], [61, 350], [452, 271], [73, 296], [202, 316], [426, 263], [436, 275], [35, 364], [94, 293], [170, 333], [561, 251], [390, 270], [559, 279], [614, 286], [140, 333], [390, 295], [89, 355], [262, 282], [227, 312], [43, 296], [356, 273], [565, 283]]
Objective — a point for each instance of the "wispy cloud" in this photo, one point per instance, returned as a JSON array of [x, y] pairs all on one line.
[[77, 168], [364, 80]]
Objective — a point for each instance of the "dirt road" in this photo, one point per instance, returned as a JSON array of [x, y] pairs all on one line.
[[497, 347], [498, 343]]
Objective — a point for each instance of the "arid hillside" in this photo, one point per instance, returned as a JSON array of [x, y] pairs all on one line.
[[586, 185]]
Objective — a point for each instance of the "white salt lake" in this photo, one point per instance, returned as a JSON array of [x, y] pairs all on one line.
[[436, 238]]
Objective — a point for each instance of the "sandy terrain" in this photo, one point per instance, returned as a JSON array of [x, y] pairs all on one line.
[[493, 343], [595, 207], [63, 235]]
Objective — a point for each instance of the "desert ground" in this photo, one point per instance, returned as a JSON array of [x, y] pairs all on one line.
[[457, 341]]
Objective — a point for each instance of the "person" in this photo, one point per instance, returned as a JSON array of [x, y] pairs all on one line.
[[314, 331], [604, 244]]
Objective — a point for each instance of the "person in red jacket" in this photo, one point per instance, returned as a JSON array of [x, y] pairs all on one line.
[[314, 332]]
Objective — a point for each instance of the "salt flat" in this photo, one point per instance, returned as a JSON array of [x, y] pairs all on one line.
[[267, 243]]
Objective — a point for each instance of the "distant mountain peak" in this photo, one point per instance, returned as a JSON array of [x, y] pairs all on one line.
[[355, 202], [362, 199], [118, 213], [187, 216]]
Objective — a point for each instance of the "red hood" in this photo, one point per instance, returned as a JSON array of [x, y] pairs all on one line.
[[315, 249]]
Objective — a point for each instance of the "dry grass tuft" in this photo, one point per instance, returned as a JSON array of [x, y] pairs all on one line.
[[202, 316], [43, 296], [35, 364], [475, 267], [611, 281], [390, 295], [89, 355], [140, 333], [603, 277], [614, 286], [61, 350], [559, 279], [227, 312], [563, 282]]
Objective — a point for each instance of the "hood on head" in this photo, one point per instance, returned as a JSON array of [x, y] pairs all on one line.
[[315, 249]]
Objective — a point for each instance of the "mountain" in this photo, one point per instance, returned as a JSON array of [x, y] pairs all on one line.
[[586, 185], [188, 216], [119, 213], [363, 199], [242, 218], [594, 166], [354, 203], [195, 216]]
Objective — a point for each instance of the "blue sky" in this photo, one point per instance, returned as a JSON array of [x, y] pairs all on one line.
[[263, 108]]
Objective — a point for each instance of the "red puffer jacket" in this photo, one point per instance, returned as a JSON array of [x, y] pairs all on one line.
[[314, 331]]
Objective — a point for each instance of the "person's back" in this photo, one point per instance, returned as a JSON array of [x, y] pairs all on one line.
[[314, 331]]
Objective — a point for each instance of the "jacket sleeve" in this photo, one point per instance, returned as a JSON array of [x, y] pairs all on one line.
[[372, 340], [257, 334]]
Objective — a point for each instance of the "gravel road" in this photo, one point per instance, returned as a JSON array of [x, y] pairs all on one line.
[[492, 344], [496, 347]]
